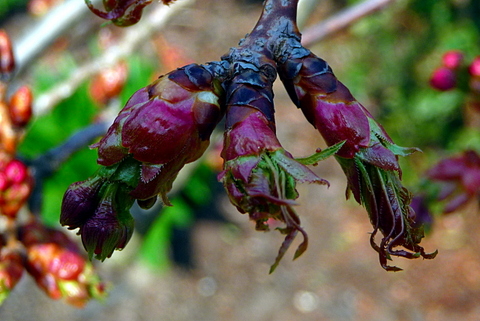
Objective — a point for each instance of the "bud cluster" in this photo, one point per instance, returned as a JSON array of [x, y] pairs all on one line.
[[162, 127], [54, 261], [58, 267], [454, 72], [15, 179], [168, 124], [368, 157]]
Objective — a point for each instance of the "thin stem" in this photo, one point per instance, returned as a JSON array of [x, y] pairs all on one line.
[[342, 20]]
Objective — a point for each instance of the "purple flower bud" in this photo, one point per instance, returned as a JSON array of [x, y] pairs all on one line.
[[369, 158], [80, 201], [259, 175], [110, 228], [164, 126]]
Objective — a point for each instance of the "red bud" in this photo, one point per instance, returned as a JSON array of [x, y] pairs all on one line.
[[452, 59], [443, 79], [7, 60], [20, 106]]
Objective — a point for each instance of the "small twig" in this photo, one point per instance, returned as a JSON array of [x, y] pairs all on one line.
[[45, 165], [342, 20], [133, 38]]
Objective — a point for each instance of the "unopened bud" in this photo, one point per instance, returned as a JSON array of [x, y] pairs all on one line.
[[7, 60], [452, 59], [474, 68], [11, 270], [443, 79], [108, 83], [20, 106]]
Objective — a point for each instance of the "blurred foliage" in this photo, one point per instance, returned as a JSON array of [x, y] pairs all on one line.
[[7, 7]]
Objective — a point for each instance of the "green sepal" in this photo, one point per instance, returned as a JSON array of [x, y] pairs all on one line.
[[321, 155], [377, 132]]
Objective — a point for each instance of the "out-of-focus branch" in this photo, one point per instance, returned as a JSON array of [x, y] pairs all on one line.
[[45, 165], [133, 38], [41, 35], [342, 20]]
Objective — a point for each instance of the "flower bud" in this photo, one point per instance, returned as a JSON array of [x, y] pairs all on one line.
[[16, 184], [110, 228], [369, 158], [121, 13], [164, 126], [57, 266], [443, 79], [7, 59], [108, 83], [259, 175], [80, 201], [453, 59], [11, 271], [20, 106], [474, 68]]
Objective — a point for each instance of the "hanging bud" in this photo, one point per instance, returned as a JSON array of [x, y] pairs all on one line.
[[7, 60], [164, 126], [11, 271], [122, 13], [80, 201], [20, 106], [57, 266], [110, 228], [368, 157], [259, 175]]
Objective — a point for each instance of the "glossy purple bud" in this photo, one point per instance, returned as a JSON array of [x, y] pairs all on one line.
[[79, 202], [110, 228]]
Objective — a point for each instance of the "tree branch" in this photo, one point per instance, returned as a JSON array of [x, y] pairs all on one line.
[[132, 39], [342, 20]]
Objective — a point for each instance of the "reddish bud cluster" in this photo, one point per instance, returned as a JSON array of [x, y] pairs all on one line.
[[11, 270], [16, 113], [58, 267], [452, 69], [168, 124], [369, 158], [16, 184], [162, 127], [259, 175]]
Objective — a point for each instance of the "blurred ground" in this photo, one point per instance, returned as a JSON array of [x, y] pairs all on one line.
[[338, 278]]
